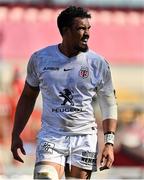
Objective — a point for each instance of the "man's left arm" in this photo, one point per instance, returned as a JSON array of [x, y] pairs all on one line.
[[107, 156], [107, 100]]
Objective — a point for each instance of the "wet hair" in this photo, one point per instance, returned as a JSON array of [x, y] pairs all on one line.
[[66, 17]]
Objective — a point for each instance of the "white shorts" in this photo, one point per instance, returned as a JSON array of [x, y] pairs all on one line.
[[77, 150]]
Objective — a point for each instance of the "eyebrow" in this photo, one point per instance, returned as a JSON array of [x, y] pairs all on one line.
[[81, 26]]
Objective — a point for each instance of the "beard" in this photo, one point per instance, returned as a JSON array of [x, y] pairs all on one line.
[[83, 48]]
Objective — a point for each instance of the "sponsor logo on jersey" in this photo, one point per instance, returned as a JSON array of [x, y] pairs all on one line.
[[67, 95], [47, 147], [57, 110], [88, 158], [50, 68], [84, 72], [68, 69]]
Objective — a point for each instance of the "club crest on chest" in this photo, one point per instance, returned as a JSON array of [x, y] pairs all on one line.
[[84, 72]]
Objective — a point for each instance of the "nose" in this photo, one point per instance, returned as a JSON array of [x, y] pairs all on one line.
[[86, 32]]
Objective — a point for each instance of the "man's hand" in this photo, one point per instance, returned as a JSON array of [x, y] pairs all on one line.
[[17, 144], [107, 157]]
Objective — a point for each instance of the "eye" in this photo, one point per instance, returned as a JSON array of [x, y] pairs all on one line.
[[81, 28]]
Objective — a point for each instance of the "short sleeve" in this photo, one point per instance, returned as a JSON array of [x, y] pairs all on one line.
[[32, 74]]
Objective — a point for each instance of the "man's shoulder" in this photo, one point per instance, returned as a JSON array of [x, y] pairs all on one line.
[[94, 56], [43, 55], [45, 50], [97, 60]]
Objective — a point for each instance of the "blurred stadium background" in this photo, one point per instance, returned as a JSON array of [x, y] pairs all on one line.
[[117, 33]]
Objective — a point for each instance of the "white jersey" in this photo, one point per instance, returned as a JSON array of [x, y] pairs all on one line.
[[67, 86]]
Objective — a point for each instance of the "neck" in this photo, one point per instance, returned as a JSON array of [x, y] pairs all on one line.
[[67, 50]]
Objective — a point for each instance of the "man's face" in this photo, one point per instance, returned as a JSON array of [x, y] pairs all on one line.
[[78, 34]]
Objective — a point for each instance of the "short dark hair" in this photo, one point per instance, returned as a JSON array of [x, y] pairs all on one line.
[[66, 17]]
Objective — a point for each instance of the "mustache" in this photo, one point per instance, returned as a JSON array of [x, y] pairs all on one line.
[[85, 37]]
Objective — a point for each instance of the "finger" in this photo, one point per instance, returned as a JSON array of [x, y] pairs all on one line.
[[103, 168], [23, 150], [103, 159], [109, 163], [18, 158], [106, 166], [16, 155]]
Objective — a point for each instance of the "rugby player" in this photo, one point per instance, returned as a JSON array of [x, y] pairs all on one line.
[[68, 75]]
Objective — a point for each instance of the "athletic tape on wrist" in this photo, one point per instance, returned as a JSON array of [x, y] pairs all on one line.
[[109, 138]]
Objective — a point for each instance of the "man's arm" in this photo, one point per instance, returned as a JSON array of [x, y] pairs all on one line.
[[24, 109], [107, 100], [107, 157], [108, 108]]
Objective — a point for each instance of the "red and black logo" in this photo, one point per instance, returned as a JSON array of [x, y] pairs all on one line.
[[84, 72]]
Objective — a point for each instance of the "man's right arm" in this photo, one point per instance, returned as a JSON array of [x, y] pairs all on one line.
[[24, 109]]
